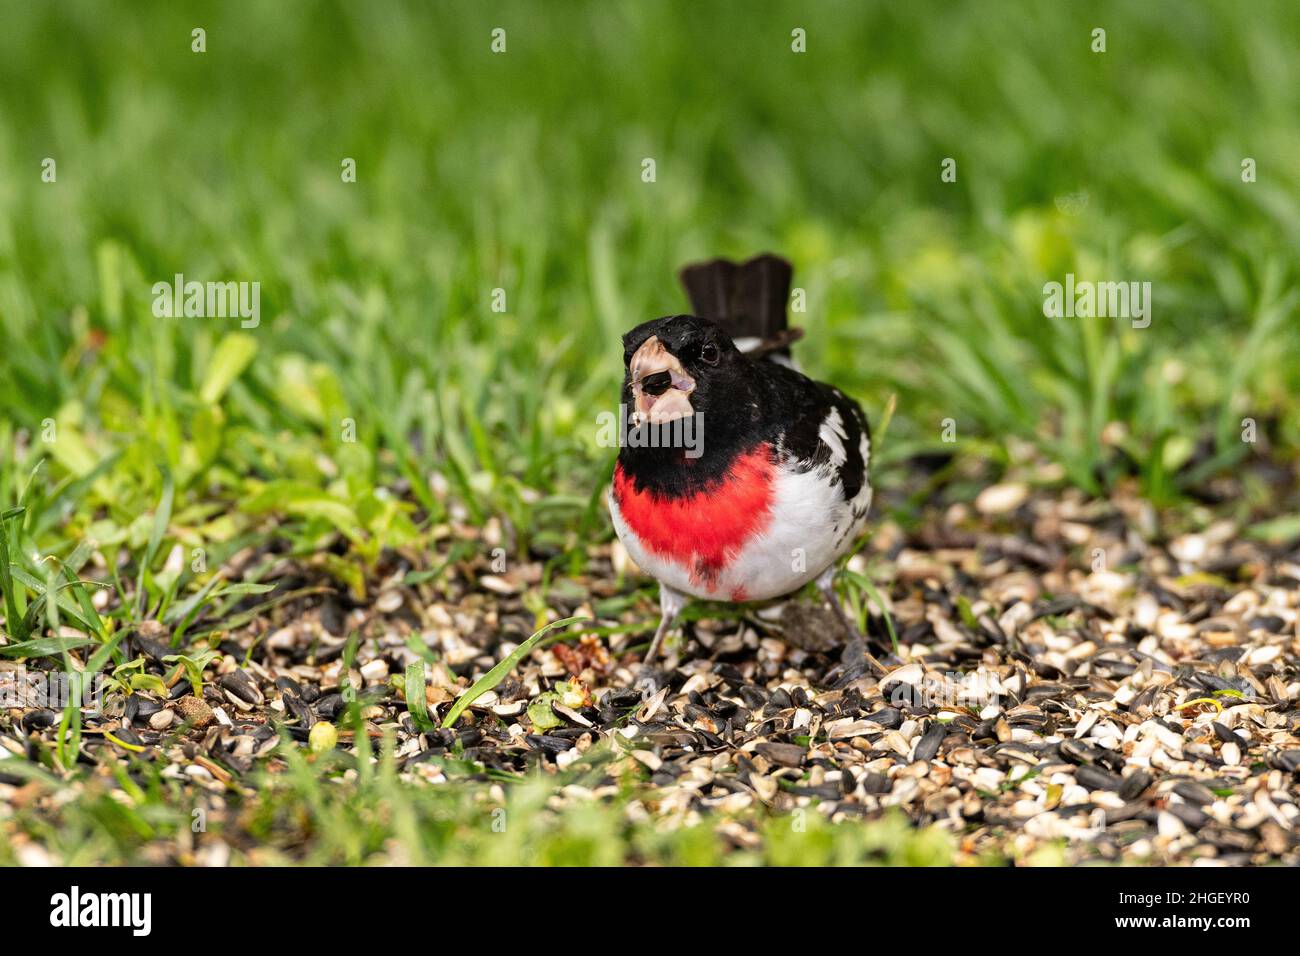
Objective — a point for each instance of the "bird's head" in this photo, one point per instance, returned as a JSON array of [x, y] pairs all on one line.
[[676, 367]]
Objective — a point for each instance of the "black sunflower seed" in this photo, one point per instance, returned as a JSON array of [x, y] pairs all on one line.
[[441, 738], [1044, 669], [1269, 622], [693, 712], [1107, 667], [1111, 758], [1094, 778], [724, 708], [827, 791], [787, 755], [239, 684], [1226, 735], [873, 782], [1193, 792], [549, 744], [891, 718], [730, 673], [1076, 751], [1143, 701], [711, 741], [1288, 760], [1134, 784], [154, 650], [1215, 682], [39, 720], [930, 741], [622, 698], [299, 711], [1194, 817], [145, 707], [753, 697], [1041, 691], [330, 706]]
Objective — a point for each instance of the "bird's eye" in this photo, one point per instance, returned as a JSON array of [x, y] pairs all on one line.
[[709, 354]]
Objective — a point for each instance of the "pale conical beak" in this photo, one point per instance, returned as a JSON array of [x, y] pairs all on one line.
[[661, 388]]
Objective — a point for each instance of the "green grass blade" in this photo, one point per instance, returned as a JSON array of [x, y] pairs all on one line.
[[161, 517], [862, 581], [415, 700], [15, 619], [44, 647], [497, 674]]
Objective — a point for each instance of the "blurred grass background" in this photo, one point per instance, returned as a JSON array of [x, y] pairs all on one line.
[[522, 171]]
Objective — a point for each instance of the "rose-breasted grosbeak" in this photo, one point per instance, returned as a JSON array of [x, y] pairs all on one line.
[[777, 490]]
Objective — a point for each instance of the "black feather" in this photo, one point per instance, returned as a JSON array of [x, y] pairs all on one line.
[[745, 402], [747, 300]]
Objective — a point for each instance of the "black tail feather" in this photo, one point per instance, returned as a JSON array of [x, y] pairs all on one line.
[[748, 300]]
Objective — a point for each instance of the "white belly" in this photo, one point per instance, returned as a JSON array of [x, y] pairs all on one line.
[[811, 527]]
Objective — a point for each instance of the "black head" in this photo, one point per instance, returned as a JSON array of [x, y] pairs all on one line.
[[692, 393], [677, 366]]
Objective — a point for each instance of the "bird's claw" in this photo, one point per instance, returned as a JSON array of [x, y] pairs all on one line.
[[649, 680]]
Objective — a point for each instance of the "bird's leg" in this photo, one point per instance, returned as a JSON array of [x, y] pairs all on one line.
[[855, 659], [670, 605]]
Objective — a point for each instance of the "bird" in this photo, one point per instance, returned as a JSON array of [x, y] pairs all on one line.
[[740, 479]]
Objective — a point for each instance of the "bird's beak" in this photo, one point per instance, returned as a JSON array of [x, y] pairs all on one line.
[[660, 386]]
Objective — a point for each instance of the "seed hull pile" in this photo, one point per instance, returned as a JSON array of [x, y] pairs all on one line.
[[1059, 681]]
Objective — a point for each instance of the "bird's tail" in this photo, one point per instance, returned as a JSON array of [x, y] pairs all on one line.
[[748, 300]]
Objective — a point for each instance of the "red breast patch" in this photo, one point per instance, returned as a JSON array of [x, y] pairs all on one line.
[[703, 531]]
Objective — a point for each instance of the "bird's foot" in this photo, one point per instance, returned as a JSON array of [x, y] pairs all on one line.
[[670, 605]]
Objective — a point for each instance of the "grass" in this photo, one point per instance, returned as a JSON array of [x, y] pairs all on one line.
[[375, 817], [494, 677], [382, 399]]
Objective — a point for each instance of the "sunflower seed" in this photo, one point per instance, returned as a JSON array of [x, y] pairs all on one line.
[[1194, 793], [1095, 778], [930, 741], [786, 755], [1134, 784]]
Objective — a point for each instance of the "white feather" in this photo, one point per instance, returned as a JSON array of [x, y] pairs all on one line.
[[811, 527], [833, 436]]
